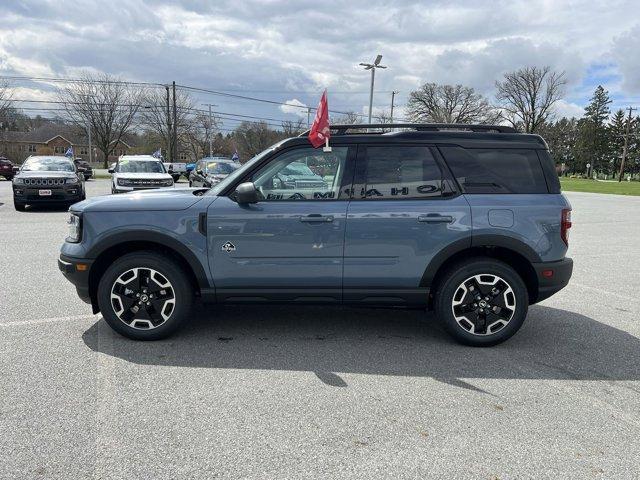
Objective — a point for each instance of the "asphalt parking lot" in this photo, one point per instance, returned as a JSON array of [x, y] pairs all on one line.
[[249, 392]]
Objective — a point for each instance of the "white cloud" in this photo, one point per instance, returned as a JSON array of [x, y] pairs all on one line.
[[295, 107], [568, 109]]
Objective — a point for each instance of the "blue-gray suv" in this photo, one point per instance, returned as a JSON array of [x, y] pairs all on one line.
[[465, 220]]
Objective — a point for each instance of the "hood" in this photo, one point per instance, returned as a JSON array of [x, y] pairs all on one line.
[[45, 174], [151, 176], [165, 199]]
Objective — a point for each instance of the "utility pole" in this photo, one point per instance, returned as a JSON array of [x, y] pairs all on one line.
[[393, 97], [626, 143], [175, 125], [308, 116], [169, 136], [210, 129], [372, 67], [89, 135]]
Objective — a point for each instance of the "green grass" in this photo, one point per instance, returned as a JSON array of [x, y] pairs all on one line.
[[594, 186]]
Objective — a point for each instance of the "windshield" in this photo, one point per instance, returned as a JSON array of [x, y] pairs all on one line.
[[240, 171], [139, 166], [48, 165], [220, 168]]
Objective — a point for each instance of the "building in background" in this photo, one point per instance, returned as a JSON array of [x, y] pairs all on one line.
[[54, 139]]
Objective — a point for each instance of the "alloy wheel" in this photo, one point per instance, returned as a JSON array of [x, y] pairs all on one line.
[[143, 298], [483, 304]]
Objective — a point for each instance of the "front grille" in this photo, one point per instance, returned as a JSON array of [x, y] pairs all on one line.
[[147, 183], [44, 181]]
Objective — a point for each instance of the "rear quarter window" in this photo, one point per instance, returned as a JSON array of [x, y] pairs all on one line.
[[496, 170]]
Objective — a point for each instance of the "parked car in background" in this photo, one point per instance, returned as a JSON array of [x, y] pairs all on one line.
[[7, 169], [464, 220], [176, 170], [139, 172], [47, 180], [298, 175], [84, 167], [209, 171]]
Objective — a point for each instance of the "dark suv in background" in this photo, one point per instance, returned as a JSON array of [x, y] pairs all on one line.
[[7, 169], [48, 180], [465, 220]]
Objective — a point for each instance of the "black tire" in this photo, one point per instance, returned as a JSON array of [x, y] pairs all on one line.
[[20, 207], [180, 287], [175, 178], [462, 329]]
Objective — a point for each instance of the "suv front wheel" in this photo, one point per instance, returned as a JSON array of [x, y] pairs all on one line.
[[481, 302], [145, 296]]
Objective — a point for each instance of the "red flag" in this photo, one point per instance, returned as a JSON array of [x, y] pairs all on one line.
[[319, 132]]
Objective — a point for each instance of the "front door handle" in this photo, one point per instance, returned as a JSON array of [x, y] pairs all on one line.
[[435, 218], [317, 218]]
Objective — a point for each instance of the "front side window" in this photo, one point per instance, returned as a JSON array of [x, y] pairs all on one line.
[[496, 170], [302, 174], [399, 172]]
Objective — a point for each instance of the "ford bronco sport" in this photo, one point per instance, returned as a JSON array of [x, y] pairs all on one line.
[[466, 220]]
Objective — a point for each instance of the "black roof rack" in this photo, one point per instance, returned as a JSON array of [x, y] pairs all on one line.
[[342, 129]]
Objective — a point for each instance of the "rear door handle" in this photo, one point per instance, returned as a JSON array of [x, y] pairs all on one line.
[[435, 218], [317, 218]]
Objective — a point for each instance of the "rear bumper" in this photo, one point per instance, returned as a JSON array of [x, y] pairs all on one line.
[[69, 266], [552, 277]]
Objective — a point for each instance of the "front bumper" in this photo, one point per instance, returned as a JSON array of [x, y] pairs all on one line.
[[552, 277], [76, 270], [30, 195], [121, 189]]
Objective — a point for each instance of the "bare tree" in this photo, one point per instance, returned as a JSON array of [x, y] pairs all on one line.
[[6, 100], [348, 118], [197, 132], [104, 104], [434, 103], [527, 96], [292, 129], [155, 117]]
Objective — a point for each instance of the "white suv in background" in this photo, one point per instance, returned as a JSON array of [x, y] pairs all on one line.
[[138, 172]]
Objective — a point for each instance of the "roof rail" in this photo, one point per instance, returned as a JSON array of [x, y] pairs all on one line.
[[342, 129]]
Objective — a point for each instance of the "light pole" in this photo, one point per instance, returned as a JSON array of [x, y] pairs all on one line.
[[372, 67], [393, 97], [210, 129]]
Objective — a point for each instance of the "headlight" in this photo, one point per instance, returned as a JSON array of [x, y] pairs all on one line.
[[75, 228], [18, 181], [167, 183], [123, 182], [71, 180]]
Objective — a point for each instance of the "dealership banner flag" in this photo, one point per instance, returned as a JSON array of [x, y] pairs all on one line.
[[320, 132]]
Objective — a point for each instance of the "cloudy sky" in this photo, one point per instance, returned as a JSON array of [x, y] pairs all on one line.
[[290, 51]]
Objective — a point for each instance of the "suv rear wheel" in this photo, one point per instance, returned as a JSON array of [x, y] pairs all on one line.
[[145, 296], [482, 302]]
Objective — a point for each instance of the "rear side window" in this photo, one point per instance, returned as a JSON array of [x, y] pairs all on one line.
[[396, 172], [491, 170]]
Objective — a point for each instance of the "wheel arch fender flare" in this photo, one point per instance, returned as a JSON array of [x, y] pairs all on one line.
[[476, 242], [153, 237]]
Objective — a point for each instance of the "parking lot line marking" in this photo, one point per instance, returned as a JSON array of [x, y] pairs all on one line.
[[47, 320]]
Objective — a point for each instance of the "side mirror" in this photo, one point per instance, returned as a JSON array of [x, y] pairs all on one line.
[[246, 193], [111, 170]]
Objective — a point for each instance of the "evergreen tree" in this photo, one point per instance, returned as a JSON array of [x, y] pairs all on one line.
[[592, 141], [615, 139]]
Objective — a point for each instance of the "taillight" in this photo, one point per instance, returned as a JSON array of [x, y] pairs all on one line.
[[565, 225]]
